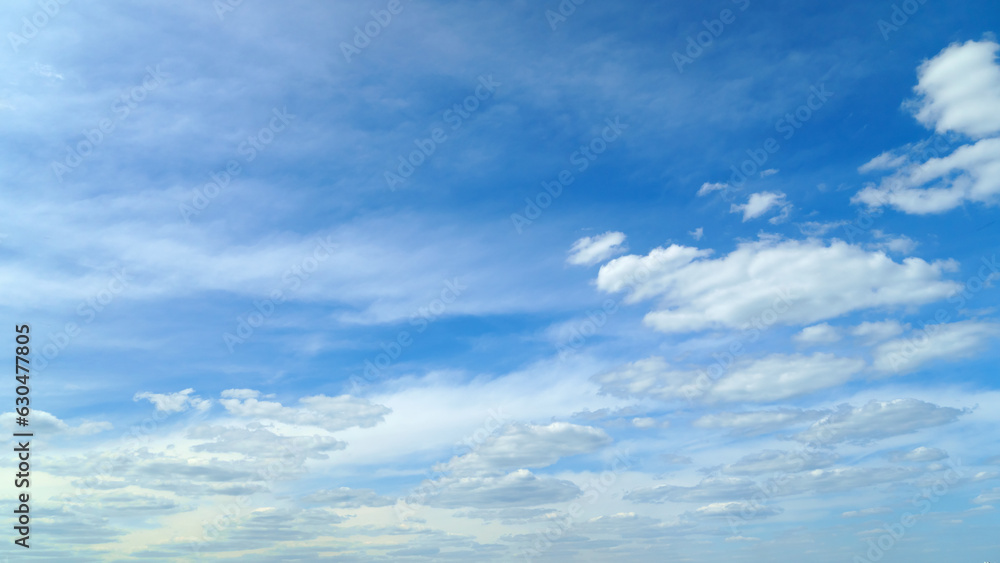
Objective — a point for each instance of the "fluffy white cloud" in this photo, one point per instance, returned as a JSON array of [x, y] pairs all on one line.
[[771, 281], [330, 413], [971, 172], [697, 233], [959, 89], [770, 378], [822, 333], [591, 250], [877, 420], [759, 203], [934, 342], [174, 402], [521, 446]]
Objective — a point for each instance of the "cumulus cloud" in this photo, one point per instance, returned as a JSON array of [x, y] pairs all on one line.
[[759, 203], [877, 420], [934, 342], [771, 378], [771, 280], [521, 446], [174, 402], [958, 91], [822, 333], [697, 233], [591, 250], [329, 413]]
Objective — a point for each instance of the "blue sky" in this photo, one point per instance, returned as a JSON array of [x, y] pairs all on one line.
[[562, 330]]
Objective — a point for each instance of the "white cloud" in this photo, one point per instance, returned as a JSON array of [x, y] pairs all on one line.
[[934, 342], [773, 461], [519, 488], [737, 509], [818, 229], [771, 378], [768, 172], [520, 446], [992, 495], [46, 423], [878, 331], [591, 250], [971, 172], [758, 422], [877, 420], [923, 453], [959, 90], [781, 376], [709, 187], [900, 244], [345, 497], [771, 280], [822, 333], [759, 204], [697, 233], [174, 402], [866, 512], [330, 413]]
